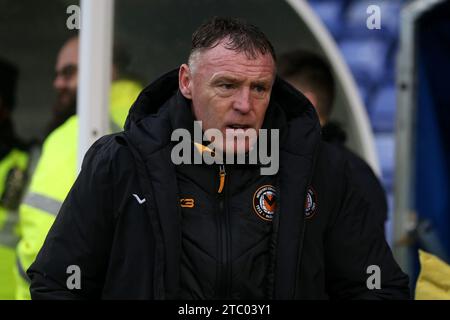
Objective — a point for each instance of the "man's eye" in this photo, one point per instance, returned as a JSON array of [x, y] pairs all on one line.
[[260, 89], [226, 86]]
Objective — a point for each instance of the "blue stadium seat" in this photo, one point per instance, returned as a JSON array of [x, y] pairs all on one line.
[[366, 58], [330, 12], [385, 146], [356, 17], [383, 108]]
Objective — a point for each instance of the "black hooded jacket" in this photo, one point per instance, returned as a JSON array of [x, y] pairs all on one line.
[[123, 224]]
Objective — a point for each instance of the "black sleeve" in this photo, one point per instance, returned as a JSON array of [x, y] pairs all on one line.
[[81, 236], [354, 242], [365, 180]]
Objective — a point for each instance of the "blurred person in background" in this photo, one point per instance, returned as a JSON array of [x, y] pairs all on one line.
[[65, 85], [56, 170], [311, 74], [13, 177]]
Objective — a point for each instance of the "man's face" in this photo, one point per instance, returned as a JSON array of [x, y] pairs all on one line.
[[66, 78], [229, 91]]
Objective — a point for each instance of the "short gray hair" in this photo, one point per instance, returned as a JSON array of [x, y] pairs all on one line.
[[240, 36]]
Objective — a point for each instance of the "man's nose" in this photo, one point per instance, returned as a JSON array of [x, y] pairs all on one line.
[[242, 103], [58, 82]]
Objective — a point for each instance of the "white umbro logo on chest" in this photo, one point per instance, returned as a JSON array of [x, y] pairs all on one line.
[[139, 200]]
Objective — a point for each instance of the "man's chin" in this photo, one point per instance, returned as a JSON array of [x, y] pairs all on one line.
[[65, 105], [232, 142], [232, 147]]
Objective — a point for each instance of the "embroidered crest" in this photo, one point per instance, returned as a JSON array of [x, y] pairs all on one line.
[[265, 202], [310, 203]]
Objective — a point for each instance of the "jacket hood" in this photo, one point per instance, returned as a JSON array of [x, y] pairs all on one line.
[[152, 98]]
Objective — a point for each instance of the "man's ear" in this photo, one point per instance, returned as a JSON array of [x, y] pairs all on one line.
[[185, 81]]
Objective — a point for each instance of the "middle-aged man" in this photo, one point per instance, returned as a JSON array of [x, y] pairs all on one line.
[[139, 224]]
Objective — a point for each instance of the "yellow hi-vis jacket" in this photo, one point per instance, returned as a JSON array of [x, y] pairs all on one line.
[[14, 163], [54, 176]]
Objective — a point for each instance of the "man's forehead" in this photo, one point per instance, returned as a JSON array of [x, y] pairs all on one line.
[[220, 53], [239, 76], [68, 55], [222, 61]]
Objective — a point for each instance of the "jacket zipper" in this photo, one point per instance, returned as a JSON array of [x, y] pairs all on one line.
[[224, 270]]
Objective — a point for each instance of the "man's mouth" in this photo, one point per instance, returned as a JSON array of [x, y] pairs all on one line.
[[237, 126]]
